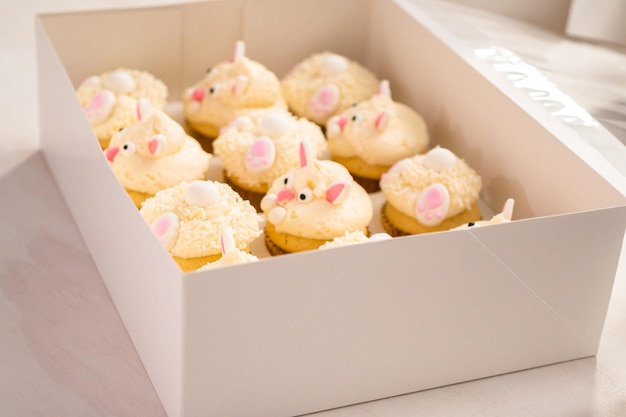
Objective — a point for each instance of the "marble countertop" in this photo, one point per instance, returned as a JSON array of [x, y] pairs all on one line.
[[65, 352]]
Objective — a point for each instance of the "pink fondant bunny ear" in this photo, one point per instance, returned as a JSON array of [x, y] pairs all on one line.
[[100, 107], [507, 209], [144, 108], [157, 144], [338, 192], [307, 152], [165, 228], [239, 51], [432, 205], [382, 120], [239, 85], [384, 89]]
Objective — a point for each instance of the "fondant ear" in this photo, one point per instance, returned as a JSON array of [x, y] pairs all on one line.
[[227, 241], [382, 120], [507, 209], [338, 192], [165, 228], [384, 89], [157, 144], [143, 108], [100, 107], [239, 85], [239, 51], [307, 152]]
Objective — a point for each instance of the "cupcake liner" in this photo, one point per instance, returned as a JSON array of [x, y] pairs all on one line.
[[273, 248]]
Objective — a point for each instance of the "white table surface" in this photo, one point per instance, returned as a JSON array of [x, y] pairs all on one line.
[[65, 352]]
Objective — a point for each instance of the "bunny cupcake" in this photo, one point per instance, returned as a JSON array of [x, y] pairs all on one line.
[[237, 87], [154, 153], [431, 192], [190, 218], [372, 135], [110, 99], [312, 204]]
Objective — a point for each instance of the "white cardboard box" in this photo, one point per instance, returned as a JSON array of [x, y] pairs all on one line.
[[317, 330]]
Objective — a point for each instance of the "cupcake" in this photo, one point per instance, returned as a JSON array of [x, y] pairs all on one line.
[[325, 84], [231, 254], [431, 192], [232, 88], [312, 204], [372, 135], [255, 152], [154, 153], [352, 238], [505, 216], [109, 100], [190, 218]]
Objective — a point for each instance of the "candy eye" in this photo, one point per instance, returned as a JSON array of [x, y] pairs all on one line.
[[214, 89], [355, 117], [470, 224], [305, 195], [287, 179], [208, 70], [128, 148]]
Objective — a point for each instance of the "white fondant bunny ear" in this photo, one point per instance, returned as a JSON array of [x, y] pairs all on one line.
[[384, 89], [338, 192], [439, 159], [382, 120], [202, 193], [227, 241], [260, 155], [100, 107], [144, 108], [432, 205], [307, 152], [165, 228], [119, 81], [239, 51], [507, 209], [324, 100]]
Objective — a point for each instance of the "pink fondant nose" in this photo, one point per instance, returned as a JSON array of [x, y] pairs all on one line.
[[284, 196], [198, 94], [110, 153], [341, 122]]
